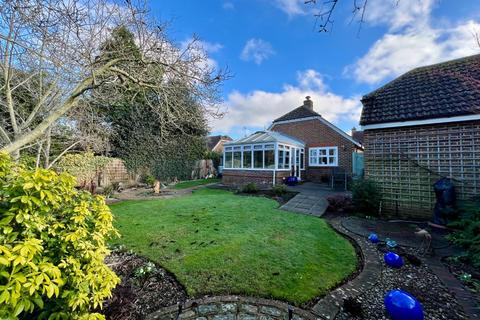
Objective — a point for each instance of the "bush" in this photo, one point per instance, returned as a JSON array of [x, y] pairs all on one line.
[[108, 191], [52, 246], [340, 203], [366, 197], [468, 232], [250, 188], [279, 189], [148, 179]]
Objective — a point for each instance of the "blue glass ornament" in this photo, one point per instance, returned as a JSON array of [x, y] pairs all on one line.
[[393, 260], [401, 305], [373, 238]]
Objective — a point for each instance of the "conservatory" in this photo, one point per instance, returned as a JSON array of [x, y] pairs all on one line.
[[265, 157]]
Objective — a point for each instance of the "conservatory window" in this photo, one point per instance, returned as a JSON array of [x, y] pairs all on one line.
[[258, 159], [247, 157]]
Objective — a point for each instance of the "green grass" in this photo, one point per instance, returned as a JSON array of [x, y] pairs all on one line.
[[194, 183], [216, 242]]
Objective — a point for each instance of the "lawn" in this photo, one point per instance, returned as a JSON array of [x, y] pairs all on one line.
[[216, 242], [194, 183]]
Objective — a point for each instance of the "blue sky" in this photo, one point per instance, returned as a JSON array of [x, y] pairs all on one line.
[[277, 58]]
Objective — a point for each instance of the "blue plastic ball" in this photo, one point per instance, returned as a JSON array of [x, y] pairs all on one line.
[[393, 260], [373, 238], [401, 305]]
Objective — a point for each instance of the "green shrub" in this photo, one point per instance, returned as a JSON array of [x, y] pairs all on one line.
[[279, 189], [366, 197], [467, 234], [250, 188], [52, 246], [108, 191], [148, 179]]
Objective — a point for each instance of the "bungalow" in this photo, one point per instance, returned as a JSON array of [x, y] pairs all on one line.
[[215, 143], [300, 143], [420, 127]]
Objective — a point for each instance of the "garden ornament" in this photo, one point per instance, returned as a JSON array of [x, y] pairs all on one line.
[[426, 240], [401, 305], [391, 243], [393, 260], [373, 237]]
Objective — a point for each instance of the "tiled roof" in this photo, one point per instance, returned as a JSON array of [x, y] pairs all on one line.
[[357, 135], [298, 113], [438, 91], [213, 140]]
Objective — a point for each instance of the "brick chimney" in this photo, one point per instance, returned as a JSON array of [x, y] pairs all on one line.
[[308, 103]]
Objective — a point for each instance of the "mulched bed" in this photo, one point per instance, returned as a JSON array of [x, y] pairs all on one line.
[[459, 268], [136, 296], [437, 301]]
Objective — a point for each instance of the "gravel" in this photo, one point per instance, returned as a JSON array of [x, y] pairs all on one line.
[[438, 302]]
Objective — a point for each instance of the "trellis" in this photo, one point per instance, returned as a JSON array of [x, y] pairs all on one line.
[[407, 161]]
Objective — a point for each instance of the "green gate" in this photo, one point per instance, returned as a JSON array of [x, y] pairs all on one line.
[[357, 164]]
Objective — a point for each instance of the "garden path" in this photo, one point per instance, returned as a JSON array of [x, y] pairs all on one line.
[[311, 199]]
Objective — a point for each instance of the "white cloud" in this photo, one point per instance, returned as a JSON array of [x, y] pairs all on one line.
[[398, 14], [257, 109], [205, 49], [291, 7], [412, 41], [257, 50], [228, 5]]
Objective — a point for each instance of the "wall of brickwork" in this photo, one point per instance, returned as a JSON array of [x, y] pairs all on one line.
[[316, 134], [263, 179], [407, 161]]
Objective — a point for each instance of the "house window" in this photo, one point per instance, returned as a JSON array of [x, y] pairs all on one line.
[[258, 159], [228, 159], [247, 157], [269, 159], [302, 159], [237, 159], [281, 159], [323, 157]]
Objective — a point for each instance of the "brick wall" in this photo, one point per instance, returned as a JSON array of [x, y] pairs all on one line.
[[316, 134], [263, 179], [407, 161]]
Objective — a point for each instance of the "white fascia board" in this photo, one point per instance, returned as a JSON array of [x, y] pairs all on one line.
[[420, 122]]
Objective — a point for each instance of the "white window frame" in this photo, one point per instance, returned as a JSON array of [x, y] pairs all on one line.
[[276, 147], [317, 156]]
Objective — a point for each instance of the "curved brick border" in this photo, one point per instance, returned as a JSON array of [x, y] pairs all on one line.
[[232, 308], [329, 306]]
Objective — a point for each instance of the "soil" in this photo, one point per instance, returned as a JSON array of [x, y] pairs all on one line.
[[459, 267], [136, 296]]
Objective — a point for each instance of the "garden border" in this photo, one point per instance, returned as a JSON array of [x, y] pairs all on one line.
[[230, 307]]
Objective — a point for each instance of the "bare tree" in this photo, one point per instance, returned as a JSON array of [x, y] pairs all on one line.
[[49, 50], [325, 18]]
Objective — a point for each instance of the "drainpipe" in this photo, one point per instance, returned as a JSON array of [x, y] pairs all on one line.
[[273, 182]]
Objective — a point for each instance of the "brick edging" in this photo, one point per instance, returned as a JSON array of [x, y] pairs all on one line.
[[230, 307], [329, 306]]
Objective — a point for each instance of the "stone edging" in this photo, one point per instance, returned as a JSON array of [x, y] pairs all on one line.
[[329, 306], [231, 308]]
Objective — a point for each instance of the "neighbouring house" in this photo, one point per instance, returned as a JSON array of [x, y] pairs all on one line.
[[300, 143], [420, 127], [215, 143]]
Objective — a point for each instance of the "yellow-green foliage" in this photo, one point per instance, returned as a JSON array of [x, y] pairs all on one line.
[[52, 246]]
